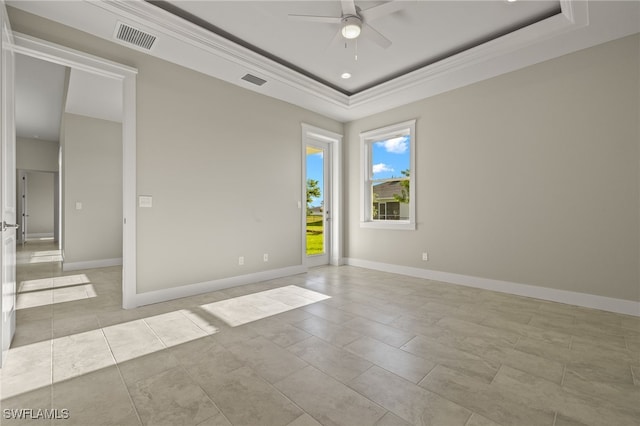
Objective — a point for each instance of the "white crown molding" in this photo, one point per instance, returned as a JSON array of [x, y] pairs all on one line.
[[621, 306], [581, 24], [164, 22], [573, 16]]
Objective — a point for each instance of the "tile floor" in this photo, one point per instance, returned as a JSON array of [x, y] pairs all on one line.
[[384, 349]]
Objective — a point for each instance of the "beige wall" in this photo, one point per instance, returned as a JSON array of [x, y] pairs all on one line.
[[92, 175], [35, 154], [214, 157], [530, 177]]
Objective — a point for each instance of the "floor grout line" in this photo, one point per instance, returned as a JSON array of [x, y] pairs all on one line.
[[124, 383], [205, 392]]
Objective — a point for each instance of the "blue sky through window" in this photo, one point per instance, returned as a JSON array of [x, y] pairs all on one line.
[[315, 170], [390, 157]]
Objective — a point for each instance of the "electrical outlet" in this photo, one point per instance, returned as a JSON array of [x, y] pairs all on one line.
[[241, 260], [265, 257], [425, 256]]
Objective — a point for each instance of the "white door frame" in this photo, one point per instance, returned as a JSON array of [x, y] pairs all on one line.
[[51, 52], [309, 135]]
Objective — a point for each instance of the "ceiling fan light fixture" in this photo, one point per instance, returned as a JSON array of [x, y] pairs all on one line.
[[351, 27]]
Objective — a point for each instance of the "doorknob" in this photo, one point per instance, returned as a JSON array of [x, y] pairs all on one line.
[[6, 225]]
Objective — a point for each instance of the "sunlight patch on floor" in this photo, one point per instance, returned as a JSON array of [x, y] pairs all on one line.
[[44, 256], [47, 291], [252, 307], [40, 364]]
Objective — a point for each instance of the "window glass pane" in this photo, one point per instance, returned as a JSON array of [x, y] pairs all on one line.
[[390, 160], [315, 201], [390, 157]]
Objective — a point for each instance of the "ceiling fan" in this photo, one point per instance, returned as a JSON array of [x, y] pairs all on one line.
[[355, 22]]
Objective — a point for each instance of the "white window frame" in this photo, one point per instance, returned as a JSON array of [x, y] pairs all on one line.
[[367, 139]]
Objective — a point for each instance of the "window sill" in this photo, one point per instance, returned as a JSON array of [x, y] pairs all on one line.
[[389, 224]]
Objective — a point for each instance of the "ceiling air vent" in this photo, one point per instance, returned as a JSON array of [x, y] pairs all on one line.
[[253, 79], [134, 36]]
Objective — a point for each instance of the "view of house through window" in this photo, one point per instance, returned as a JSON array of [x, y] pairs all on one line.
[[390, 173], [388, 180]]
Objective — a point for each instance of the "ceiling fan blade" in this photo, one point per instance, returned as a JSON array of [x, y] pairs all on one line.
[[320, 19], [336, 40], [381, 10], [372, 34], [349, 7]]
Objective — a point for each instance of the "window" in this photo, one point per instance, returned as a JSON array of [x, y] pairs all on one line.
[[388, 188]]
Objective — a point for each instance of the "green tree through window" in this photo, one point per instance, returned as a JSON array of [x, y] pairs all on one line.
[[403, 197]]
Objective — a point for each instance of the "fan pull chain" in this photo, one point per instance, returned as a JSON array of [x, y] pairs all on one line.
[[356, 55]]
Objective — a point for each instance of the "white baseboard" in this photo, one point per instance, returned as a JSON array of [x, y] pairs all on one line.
[[172, 293], [40, 235], [90, 264], [621, 306]]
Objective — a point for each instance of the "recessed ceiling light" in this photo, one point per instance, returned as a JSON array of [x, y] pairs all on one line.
[[511, 1], [345, 75]]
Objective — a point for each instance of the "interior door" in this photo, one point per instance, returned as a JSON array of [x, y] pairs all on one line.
[[7, 187], [318, 207]]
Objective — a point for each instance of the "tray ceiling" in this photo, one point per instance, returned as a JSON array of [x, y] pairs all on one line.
[[436, 45], [422, 33]]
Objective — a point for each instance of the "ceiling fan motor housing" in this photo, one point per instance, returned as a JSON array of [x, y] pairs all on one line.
[[351, 26]]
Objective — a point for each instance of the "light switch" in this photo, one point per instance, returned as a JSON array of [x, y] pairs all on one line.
[[78, 205], [145, 201]]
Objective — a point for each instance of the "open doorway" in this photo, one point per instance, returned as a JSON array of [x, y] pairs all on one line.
[[15, 44], [69, 188], [81, 132], [69, 125], [39, 99], [38, 206]]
